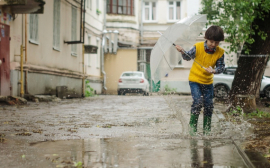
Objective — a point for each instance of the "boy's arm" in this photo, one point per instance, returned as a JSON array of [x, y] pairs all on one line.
[[220, 65], [191, 52]]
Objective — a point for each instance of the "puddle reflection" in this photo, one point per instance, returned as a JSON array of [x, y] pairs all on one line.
[[207, 154], [140, 153]]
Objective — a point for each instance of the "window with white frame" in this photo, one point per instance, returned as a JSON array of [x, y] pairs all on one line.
[[90, 4], [142, 55], [87, 3], [73, 29], [56, 24], [149, 11], [142, 67], [174, 9], [33, 28], [98, 53], [89, 56], [97, 4]]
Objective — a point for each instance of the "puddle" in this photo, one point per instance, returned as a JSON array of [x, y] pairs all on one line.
[[117, 152]]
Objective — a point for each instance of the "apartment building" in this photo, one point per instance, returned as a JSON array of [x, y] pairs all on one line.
[[47, 45]]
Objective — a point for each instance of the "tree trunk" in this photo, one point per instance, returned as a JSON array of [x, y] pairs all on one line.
[[248, 76]]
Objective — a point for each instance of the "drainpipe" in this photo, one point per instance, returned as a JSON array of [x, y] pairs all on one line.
[[83, 72], [21, 64], [25, 54], [115, 45], [103, 45], [141, 27], [102, 58]]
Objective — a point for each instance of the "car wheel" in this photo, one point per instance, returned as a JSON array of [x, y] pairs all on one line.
[[119, 93], [221, 91], [266, 92]]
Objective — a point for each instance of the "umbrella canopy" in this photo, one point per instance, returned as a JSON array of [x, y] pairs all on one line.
[[164, 56]]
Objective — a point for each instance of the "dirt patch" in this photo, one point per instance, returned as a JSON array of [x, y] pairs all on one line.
[[260, 120]]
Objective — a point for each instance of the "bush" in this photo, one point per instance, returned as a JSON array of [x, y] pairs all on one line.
[[89, 92], [168, 90]]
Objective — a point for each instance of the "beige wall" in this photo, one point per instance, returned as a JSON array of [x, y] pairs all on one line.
[[42, 53], [125, 60]]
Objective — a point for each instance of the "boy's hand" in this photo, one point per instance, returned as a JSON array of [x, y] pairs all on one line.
[[179, 48], [210, 70]]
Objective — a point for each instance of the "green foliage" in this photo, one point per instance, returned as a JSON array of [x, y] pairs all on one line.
[[258, 114], [168, 90], [78, 164], [236, 17], [98, 11], [237, 111], [89, 92]]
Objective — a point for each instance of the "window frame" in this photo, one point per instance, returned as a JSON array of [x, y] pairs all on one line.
[[174, 10], [150, 12], [98, 53], [33, 31], [74, 30], [131, 7], [56, 25], [89, 56]]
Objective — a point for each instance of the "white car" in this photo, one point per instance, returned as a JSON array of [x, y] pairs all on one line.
[[223, 83], [133, 82]]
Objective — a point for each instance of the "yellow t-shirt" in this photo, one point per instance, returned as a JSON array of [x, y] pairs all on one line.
[[197, 73]]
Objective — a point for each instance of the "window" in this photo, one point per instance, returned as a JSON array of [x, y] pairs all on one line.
[[98, 53], [124, 7], [97, 4], [73, 30], [144, 55], [89, 56], [87, 3], [174, 10], [33, 28], [90, 4], [149, 11], [56, 25], [142, 67]]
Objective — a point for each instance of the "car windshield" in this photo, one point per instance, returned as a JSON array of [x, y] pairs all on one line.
[[132, 74]]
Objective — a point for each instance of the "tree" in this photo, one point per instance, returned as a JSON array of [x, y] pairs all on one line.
[[246, 24]]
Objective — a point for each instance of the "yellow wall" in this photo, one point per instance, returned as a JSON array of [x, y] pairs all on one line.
[[114, 65]]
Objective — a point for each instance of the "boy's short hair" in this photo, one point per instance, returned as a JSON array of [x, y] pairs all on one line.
[[214, 33]]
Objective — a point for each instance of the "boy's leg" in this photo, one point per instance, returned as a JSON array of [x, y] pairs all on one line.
[[195, 107], [208, 94]]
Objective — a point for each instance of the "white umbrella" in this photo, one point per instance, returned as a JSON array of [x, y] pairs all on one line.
[[164, 56]]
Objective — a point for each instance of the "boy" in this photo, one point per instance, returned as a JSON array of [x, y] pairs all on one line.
[[211, 56]]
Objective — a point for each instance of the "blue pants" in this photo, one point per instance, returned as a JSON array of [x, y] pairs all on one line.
[[202, 97]]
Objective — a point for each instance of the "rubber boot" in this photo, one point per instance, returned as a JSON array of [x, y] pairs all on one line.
[[193, 124], [206, 125]]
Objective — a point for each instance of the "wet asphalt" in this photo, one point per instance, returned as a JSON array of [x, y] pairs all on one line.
[[113, 131]]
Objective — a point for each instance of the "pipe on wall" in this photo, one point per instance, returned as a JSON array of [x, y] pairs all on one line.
[[102, 46], [21, 81], [102, 58], [25, 53]]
